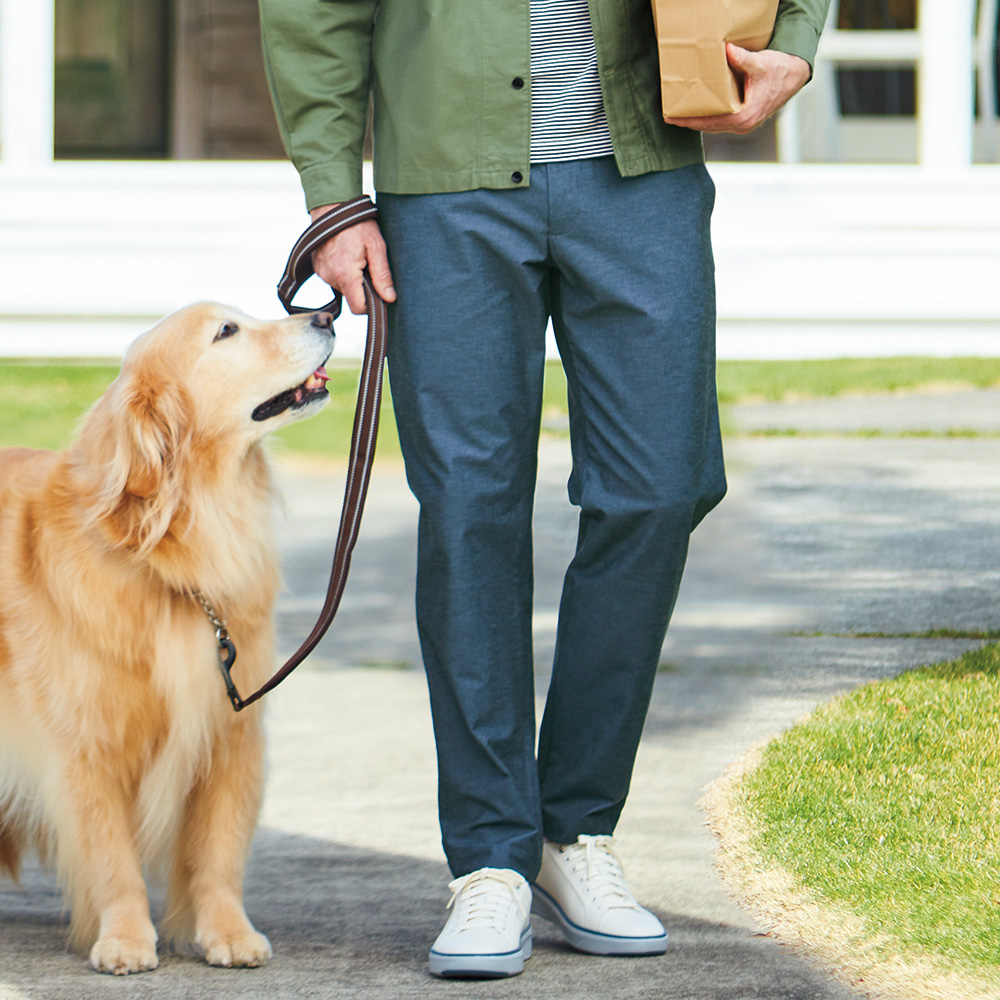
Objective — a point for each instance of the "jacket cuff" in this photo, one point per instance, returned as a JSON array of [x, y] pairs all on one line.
[[331, 183], [795, 36]]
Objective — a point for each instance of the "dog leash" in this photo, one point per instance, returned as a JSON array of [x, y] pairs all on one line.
[[363, 437]]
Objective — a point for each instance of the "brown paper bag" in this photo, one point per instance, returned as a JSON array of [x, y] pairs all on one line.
[[695, 78]]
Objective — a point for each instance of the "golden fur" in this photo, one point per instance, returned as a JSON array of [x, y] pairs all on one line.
[[119, 749]]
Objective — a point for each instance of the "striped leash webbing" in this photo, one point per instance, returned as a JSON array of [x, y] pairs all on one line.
[[363, 437]]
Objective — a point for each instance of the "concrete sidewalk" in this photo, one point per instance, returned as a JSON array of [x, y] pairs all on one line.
[[820, 536]]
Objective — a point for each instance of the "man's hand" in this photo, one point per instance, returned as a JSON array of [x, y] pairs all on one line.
[[341, 259], [770, 79]]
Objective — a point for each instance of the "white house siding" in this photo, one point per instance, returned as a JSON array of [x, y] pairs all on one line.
[[827, 261], [811, 260]]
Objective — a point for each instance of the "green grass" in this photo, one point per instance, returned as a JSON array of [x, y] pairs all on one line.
[[871, 432], [930, 633], [742, 381], [41, 403], [885, 803]]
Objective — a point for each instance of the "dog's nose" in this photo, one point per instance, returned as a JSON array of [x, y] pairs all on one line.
[[323, 320]]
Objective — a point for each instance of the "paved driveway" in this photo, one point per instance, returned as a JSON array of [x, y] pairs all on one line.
[[819, 536]]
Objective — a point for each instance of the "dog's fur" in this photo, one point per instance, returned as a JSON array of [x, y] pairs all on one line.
[[119, 749]]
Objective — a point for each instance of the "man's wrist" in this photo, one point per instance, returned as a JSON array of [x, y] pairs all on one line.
[[315, 213], [360, 200]]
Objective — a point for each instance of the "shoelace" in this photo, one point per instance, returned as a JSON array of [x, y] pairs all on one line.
[[604, 875], [484, 896]]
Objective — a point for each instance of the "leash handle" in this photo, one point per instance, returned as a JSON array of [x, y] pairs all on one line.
[[364, 435], [299, 268]]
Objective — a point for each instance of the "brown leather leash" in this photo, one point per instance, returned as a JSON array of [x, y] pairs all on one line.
[[363, 437]]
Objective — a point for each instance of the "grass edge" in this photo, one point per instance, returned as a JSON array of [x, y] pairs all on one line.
[[832, 937]]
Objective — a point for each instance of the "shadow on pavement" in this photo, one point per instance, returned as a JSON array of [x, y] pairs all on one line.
[[350, 922]]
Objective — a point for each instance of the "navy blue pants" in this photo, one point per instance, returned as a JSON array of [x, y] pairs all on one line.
[[624, 269]]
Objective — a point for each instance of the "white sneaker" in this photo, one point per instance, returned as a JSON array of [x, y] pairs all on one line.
[[488, 934], [581, 888]]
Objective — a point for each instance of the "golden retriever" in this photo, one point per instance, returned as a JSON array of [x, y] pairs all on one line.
[[119, 748]]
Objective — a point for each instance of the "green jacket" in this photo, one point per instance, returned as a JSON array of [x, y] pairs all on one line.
[[450, 84]]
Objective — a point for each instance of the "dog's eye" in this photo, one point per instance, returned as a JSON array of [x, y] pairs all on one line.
[[226, 330]]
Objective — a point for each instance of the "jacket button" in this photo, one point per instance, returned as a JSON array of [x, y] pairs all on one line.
[[517, 83], [517, 177]]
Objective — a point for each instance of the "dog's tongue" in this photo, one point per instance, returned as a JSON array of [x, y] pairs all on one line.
[[318, 379]]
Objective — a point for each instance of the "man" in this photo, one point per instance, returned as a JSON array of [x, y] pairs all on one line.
[[524, 172]]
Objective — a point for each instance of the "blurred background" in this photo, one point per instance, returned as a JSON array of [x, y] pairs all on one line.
[[140, 169]]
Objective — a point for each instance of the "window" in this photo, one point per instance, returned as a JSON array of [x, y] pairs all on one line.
[[111, 78], [161, 79], [877, 91]]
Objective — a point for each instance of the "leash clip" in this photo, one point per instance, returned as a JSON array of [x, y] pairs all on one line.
[[227, 657], [227, 649]]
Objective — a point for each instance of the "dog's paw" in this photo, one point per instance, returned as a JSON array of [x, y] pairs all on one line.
[[120, 956], [245, 950]]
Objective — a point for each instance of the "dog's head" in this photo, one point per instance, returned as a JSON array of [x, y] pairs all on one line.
[[195, 395], [243, 377]]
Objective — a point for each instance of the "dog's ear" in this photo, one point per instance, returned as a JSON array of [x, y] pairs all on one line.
[[134, 441], [151, 421]]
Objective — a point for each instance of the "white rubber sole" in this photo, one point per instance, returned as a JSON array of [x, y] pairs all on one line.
[[496, 966], [593, 942]]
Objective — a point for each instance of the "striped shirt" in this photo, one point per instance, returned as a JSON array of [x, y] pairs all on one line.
[[567, 112]]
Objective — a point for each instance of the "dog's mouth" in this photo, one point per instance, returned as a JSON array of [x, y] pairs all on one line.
[[314, 387]]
